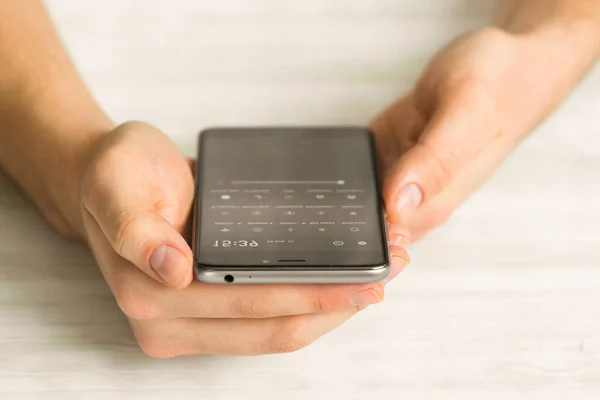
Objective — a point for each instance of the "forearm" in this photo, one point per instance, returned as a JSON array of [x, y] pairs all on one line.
[[47, 116], [571, 26], [520, 16], [558, 42]]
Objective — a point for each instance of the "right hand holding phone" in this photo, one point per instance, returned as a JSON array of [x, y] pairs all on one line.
[[137, 193]]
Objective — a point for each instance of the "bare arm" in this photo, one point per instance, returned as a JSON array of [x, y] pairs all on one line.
[[565, 36], [527, 16], [573, 23], [47, 115], [476, 100]]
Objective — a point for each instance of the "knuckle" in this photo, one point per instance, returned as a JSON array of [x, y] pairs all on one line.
[[445, 167], [136, 303], [287, 338], [131, 127], [99, 172], [88, 187], [130, 239], [442, 166], [127, 226], [321, 302]]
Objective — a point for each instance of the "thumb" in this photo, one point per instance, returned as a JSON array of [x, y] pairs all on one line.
[[146, 239], [452, 139], [138, 191]]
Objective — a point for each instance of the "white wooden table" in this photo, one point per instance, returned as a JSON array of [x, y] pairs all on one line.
[[503, 302]]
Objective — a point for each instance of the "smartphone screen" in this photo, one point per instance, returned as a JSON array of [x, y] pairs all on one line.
[[290, 196]]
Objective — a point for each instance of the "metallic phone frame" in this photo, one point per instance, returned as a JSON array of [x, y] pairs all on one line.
[[290, 274]]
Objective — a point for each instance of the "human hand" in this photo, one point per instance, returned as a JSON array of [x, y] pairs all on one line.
[[472, 105], [136, 196]]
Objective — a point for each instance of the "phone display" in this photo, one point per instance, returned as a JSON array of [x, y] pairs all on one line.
[[281, 197]]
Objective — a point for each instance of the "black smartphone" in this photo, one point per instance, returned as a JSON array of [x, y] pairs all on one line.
[[288, 205]]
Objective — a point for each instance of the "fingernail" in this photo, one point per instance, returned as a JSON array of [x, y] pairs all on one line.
[[169, 264], [366, 297], [398, 265], [396, 240], [409, 198]]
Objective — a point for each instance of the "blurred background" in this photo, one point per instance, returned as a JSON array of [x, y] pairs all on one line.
[[187, 64], [501, 302]]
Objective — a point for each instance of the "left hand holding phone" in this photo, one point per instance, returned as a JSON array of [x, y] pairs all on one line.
[[136, 197], [476, 100]]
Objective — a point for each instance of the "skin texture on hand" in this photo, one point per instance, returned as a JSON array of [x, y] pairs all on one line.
[[475, 101], [136, 196]]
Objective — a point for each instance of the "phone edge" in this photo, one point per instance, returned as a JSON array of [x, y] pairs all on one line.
[[286, 276], [293, 276]]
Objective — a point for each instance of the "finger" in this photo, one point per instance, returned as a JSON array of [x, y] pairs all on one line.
[[171, 338], [142, 298], [137, 212], [119, 272], [456, 133], [399, 254], [149, 300], [398, 235], [201, 300], [143, 237], [189, 224], [396, 130], [400, 261]]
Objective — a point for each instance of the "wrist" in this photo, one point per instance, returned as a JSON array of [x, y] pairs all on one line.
[[571, 26], [561, 56], [46, 154], [550, 59], [63, 175], [48, 117]]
